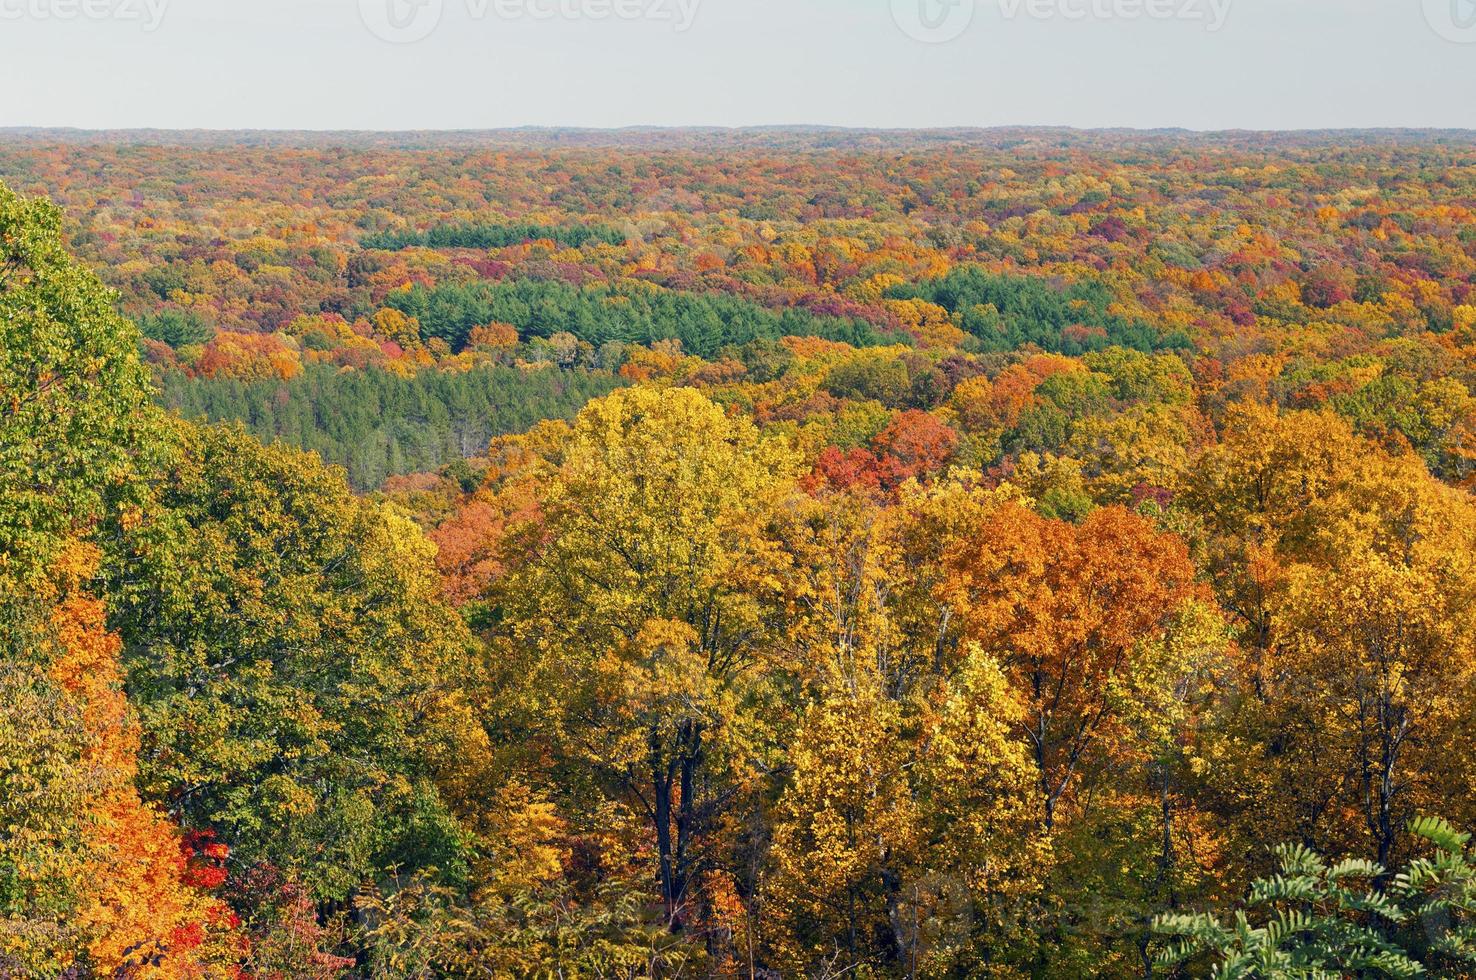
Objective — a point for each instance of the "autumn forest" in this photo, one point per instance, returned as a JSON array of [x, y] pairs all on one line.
[[749, 553]]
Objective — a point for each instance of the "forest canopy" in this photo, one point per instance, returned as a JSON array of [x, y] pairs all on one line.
[[1014, 555]]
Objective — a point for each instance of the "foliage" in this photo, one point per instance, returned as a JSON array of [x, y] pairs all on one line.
[[494, 236], [71, 393], [1352, 917], [378, 424], [1007, 312], [91, 879], [597, 315], [793, 554], [298, 681]]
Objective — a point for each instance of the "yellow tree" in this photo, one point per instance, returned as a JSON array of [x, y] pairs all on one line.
[[1383, 654], [651, 601], [908, 831], [983, 856], [910, 814], [913, 538], [1350, 572], [846, 834]]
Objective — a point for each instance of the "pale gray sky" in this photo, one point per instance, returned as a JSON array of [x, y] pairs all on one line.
[[492, 63]]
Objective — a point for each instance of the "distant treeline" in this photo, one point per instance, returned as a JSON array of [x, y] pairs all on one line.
[[703, 322], [1006, 312], [493, 236], [376, 424]]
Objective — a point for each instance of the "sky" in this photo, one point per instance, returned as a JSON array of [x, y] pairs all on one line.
[[475, 64]]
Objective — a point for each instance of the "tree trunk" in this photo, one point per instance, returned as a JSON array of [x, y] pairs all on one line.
[[661, 815], [675, 850], [686, 823]]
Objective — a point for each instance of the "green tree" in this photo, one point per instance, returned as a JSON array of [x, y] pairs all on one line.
[[73, 394], [300, 683], [1352, 918]]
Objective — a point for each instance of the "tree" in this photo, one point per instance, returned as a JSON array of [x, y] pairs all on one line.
[[177, 328], [846, 834], [1321, 919], [1067, 611], [649, 602], [1349, 572], [1383, 655], [91, 879], [73, 395], [914, 446], [907, 835], [301, 685], [984, 859]]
